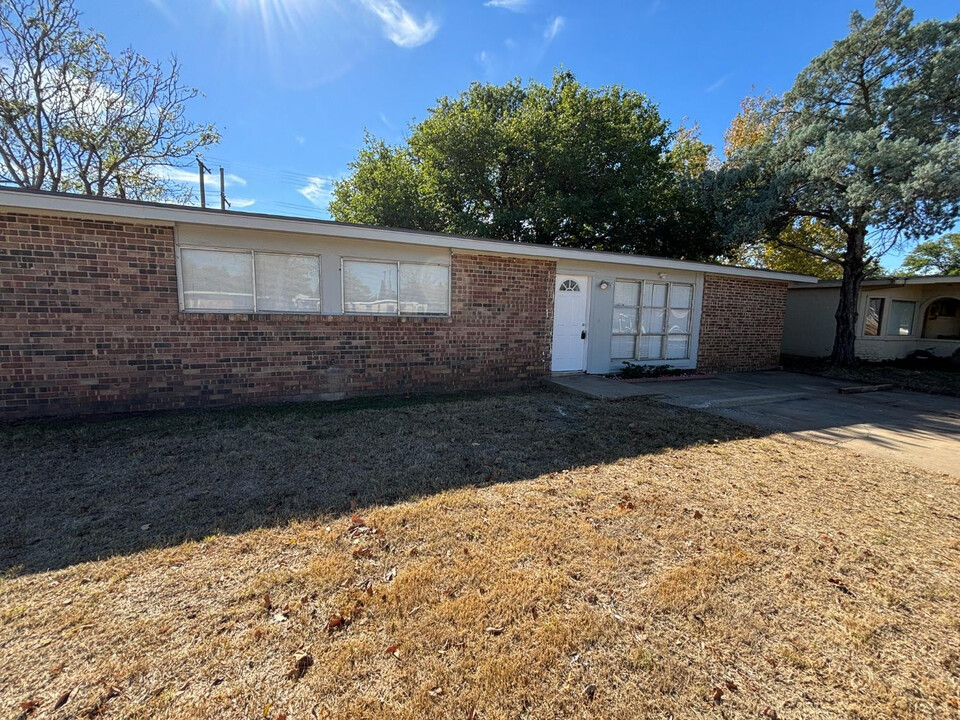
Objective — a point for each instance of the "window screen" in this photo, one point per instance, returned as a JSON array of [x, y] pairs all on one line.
[[901, 317], [216, 280], [287, 283], [424, 289], [369, 287], [389, 288], [871, 323]]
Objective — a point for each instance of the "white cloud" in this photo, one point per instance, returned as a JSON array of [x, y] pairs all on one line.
[[238, 203], [192, 177], [385, 120], [514, 5], [717, 84], [554, 27], [399, 25], [485, 60], [300, 139], [318, 190]]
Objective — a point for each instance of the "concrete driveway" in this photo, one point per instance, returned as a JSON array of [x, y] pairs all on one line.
[[915, 428]]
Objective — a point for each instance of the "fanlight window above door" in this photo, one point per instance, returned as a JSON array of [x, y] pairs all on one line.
[[569, 286]]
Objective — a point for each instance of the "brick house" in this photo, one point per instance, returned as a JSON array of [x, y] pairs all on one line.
[[110, 305]]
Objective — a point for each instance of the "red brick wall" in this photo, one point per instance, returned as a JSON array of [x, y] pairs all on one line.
[[741, 323], [89, 322]]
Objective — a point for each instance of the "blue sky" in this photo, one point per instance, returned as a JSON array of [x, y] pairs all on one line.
[[293, 83]]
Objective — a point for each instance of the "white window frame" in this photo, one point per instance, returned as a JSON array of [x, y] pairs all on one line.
[[691, 333], [253, 277], [398, 313]]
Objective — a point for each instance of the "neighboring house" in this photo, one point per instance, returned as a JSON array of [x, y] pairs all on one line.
[[110, 305], [895, 317]]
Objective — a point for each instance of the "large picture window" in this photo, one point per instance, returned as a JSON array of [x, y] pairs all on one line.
[[651, 320], [389, 288], [249, 281]]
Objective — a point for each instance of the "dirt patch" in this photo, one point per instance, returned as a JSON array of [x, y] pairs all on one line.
[[532, 555]]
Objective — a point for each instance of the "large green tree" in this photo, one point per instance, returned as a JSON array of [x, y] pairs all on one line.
[[868, 145], [934, 257], [559, 164], [76, 118]]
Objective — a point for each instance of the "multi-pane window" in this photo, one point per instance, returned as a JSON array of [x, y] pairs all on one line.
[[248, 281], [871, 323], [651, 320], [391, 288], [901, 317]]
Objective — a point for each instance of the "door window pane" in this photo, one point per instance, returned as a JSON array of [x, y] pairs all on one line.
[[871, 323], [626, 293], [681, 296], [369, 287], [901, 317], [622, 347], [677, 346], [652, 320], [679, 321], [654, 294], [624, 321], [216, 280], [287, 283], [424, 289], [649, 347]]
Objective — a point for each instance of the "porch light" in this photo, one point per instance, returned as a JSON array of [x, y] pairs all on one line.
[[604, 284]]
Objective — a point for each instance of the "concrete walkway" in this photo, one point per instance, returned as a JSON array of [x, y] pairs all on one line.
[[916, 428]]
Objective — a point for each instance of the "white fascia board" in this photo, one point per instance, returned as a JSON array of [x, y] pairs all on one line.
[[65, 204]]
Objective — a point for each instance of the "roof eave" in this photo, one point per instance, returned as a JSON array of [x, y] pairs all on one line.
[[69, 204]]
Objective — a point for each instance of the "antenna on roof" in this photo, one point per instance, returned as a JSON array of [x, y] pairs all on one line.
[[224, 204], [203, 190]]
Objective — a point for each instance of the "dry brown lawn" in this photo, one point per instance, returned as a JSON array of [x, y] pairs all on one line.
[[523, 556]]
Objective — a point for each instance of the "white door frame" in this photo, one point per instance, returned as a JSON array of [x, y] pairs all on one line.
[[585, 285]]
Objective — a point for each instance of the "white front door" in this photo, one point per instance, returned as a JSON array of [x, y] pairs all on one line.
[[570, 323]]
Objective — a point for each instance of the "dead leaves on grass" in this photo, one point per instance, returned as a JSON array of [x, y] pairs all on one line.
[[302, 663]]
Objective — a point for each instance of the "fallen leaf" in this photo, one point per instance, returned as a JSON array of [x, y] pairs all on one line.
[[718, 695], [769, 712], [697, 515], [393, 650], [303, 663], [840, 586], [495, 630], [731, 685], [267, 604], [62, 700], [362, 552], [145, 526], [336, 621], [589, 692], [436, 692], [390, 574], [28, 706]]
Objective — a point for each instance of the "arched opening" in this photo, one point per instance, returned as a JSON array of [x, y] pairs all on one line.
[[941, 321]]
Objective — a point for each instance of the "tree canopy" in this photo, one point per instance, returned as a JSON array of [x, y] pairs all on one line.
[[76, 118], [559, 164], [934, 257], [865, 142]]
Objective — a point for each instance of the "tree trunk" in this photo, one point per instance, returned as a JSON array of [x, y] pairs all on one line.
[[853, 272]]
